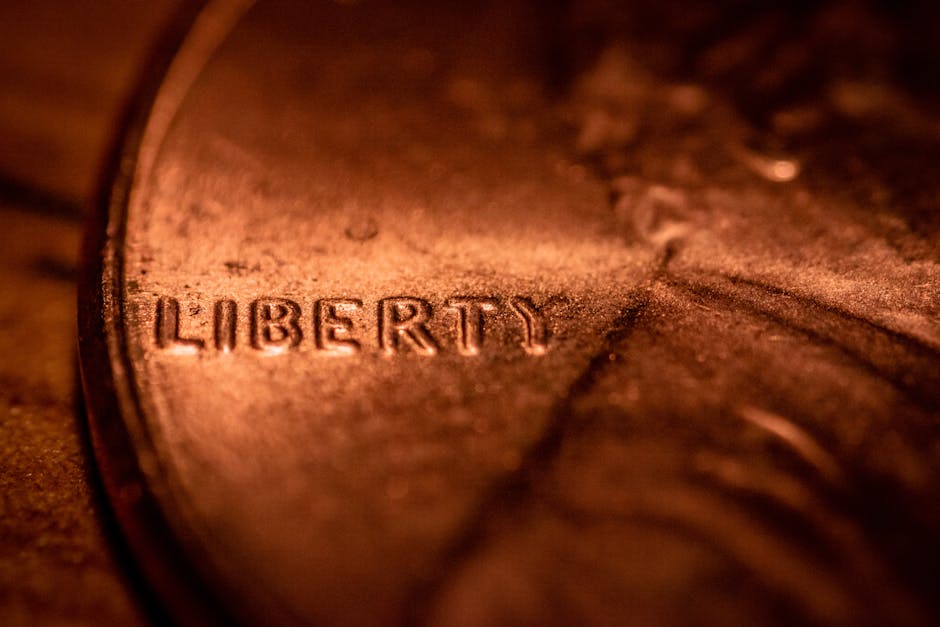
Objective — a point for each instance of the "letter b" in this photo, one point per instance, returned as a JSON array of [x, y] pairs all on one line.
[[274, 324]]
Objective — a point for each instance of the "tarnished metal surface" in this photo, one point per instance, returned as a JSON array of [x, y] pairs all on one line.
[[408, 323]]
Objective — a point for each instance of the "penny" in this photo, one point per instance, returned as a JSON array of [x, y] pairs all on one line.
[[381, 328]]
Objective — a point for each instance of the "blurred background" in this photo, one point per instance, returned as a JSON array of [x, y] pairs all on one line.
[[66, 72]]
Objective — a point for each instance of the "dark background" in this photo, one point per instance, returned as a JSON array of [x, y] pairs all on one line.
[[66, 71]]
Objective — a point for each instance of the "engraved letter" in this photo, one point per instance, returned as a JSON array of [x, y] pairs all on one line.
[[168, 329], [404, 318], [470, 322], [332, 329], [274, 324], [224, 323], [536, 335]]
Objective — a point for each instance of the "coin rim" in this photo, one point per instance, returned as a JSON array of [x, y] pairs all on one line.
[[171, 566]]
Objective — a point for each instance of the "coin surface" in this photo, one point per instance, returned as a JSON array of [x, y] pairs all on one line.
[[385, 325]]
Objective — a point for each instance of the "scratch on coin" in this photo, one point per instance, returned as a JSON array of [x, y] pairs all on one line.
[[798, 439]]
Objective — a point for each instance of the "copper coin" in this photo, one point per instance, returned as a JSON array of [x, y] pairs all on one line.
[[385, 326]]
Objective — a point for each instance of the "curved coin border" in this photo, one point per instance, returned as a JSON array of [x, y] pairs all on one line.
[[128, 465]]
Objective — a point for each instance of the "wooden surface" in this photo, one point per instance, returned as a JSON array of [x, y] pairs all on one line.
[[66, 69]]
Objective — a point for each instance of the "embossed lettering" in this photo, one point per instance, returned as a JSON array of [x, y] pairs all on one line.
[[403, 324], [403, 319], [332, 329], [470, 322], [274, 324], [224, 325], [168, 329], [535, 334]]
